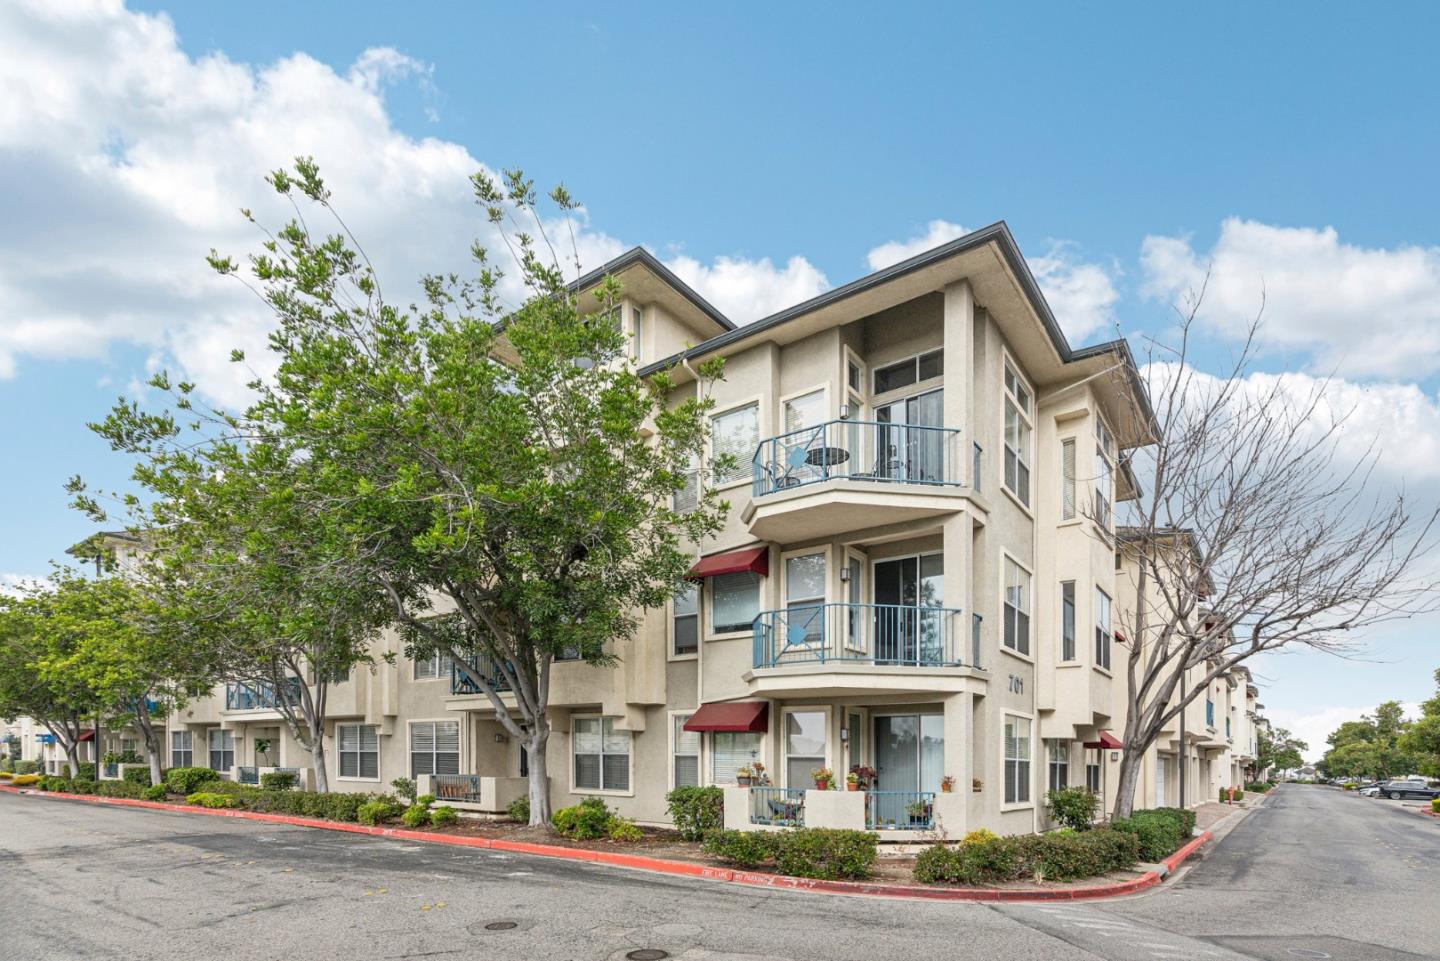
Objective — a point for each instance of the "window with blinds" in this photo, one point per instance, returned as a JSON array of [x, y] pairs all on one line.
[[1059, 764], [359, 750], [686, 752], [1017, 608], [735, 433], [734, 601], [222, 749], [1067, 479], [1067, 620], [432, 668], [1102, 629], [685, 631], [1017, 760], [807, 410], [601, 755], [730, 751], [434, 747]]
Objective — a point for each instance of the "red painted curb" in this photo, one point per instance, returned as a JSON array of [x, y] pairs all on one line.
[[659, 865]]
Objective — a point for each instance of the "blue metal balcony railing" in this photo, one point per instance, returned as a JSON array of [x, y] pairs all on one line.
[[247, 775], [456, 787], [882, 634], [778, 806], [899, 810], [858, 450], [483, 665], [260, 696]]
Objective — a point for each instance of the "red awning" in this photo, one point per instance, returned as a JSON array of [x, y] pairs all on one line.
[[87, 735], [743, 716], [1108, 742], [754, 559]]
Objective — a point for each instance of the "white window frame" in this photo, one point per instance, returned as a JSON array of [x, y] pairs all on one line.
[[1104, 604], [1029, 611], [630, 774], [1026, 457], [1106, 461], [818, 601], [209, 751], [675, 721], [745, 475], [671, 617], [709, 608], [434, 752], [359, 754], [189, 748], [1029, 760], [637, 320], [857, 590], [854, 395], [438, 660], [785, 746], [1073, 640], [1052, 761], [1069, 486]]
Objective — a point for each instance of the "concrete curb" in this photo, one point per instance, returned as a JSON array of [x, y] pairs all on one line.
[[661, 866]]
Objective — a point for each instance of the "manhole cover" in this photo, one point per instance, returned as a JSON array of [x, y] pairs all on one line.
[[648, 954], [499, 925]]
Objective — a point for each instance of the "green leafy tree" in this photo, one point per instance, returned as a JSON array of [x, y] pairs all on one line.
[[1279, 749], [498, 470], [1370, 747], [1421, 739]]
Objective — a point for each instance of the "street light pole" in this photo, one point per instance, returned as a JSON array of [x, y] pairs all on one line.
[[1184, 762]]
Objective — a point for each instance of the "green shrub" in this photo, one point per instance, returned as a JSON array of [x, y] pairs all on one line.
[[7, 766], [696, 811], [188, 780], [416, 816], [1435, 804], [116, 789], [209, 799], [1184, 817], [826, 853], [622, 829], [1258, 787], [82, 785], [1158, 831], [378, 811], [405, 788], [156, 792], [27, 767], [1073, 807], [1056, 856], [137, 775], [746, 849], [587, 820], [1225, 794], [443, 815], [519, 810], [279, 780]]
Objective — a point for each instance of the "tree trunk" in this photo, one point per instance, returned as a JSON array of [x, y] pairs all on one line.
[[72, 757], [152, 741], [1130, 761], [317, 755], [539, 785]]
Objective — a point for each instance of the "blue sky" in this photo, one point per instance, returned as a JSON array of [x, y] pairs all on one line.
[[766, 151]]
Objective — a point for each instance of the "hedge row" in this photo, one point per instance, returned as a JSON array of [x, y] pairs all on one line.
[[1161, 830], [1063, 855], [826, 853]]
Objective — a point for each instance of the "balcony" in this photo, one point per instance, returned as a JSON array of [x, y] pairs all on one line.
[[887, 635], [895, 815], [846, 474], [474, 792], [259, 697], [460, 683]]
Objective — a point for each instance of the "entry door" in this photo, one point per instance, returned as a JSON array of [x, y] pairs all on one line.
[[904, 449], [909, 595], [909, 757]]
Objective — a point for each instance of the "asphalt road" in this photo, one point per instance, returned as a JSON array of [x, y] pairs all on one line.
[[88, 881]]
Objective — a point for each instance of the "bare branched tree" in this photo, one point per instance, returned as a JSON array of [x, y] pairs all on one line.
[[1254, 531]]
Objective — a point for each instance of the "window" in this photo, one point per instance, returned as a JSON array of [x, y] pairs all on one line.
[[730, 751], [602, 755], [1017, 608], [1092, 776], [687, 498], [1104, 473], [639, 329], [686, 752], [1017, 436], [854, 376], [805, 596], [128, 745], [1059, 765], [222, 749], [1067, 479], [1067, 620], [735, 434], [909, 371], [182, 749], [434, 747], [804, 746], [1017, 760], [1119, 561], [807, 410], [734, 601], [1102, 629], [685, 631], [359, 750], [432, 668]]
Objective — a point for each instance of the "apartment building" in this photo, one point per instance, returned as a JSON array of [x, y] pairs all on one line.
[[918, 574]]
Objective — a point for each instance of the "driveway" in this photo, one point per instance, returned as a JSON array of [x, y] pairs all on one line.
[[89, 881]]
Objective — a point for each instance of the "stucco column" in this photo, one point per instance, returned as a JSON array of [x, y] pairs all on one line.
[[959, 763], [957, 543], [959, 331]]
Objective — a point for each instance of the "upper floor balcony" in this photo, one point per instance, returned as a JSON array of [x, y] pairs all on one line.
[[847, 474], [461, 684], [259, 696]]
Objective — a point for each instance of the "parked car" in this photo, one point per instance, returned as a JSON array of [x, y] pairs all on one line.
[[1369, 790], [1407, 788]]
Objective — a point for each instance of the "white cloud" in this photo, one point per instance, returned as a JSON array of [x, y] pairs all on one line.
[[1364, 311], [746, 290], [937, 232], [10, 584], [1313, 727]]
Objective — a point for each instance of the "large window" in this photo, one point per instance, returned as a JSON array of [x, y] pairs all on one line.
[[807, 410], [1059, 765], [639, 320], [1017, 608], [1017, 436], [222, 749], [359, 750], [434, 747], [1102, 629], [686, 753], [1017, 760], [735, 433], [805, 596], [1093, 777], [602, 755], [734, 601], [804, 746], [1104, 473], [182, 749], [685, 629], [730, 751], [687, 498], [434, 667], [909, 371], [1067, 479], [1067, 620]]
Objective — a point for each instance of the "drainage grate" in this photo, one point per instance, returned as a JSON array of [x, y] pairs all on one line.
[[648, 954], [499, 925]]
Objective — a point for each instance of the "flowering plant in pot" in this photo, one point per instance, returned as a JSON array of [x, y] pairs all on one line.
[[824, 777], [947, 784], [860, 778], [745, 776]]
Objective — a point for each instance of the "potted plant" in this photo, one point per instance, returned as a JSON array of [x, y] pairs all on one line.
[[745, 776], [947, 784], [919, 811], [852, 781], [864, 776], [761, 778], [824, 777]]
